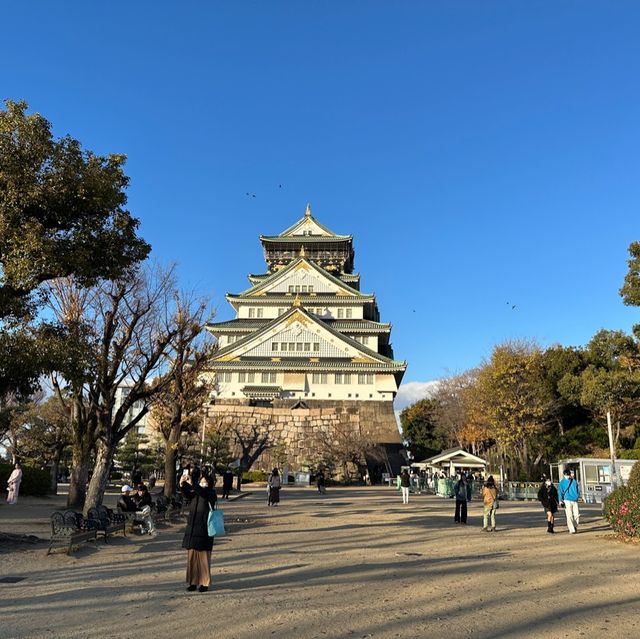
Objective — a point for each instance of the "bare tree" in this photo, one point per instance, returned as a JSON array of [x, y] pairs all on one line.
[[184, 389], [252, 441], [345, 445], [125, 328]]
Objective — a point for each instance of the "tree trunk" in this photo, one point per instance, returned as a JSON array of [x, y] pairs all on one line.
[[55, 467], [560, 426], [78, 479], [100, 477], [170, 456]]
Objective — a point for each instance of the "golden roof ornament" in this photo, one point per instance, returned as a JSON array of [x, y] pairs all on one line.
[[307, 212], [296, 301], [302, 253]]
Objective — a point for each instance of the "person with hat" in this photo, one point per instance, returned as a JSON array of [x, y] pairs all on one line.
[[126, 503], [568, 494]]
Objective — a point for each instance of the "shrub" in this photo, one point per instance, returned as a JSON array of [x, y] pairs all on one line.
[[35, 482], [622, 506], [253, 475]]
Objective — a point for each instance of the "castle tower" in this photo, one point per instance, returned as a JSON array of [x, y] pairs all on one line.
[[305, 335]]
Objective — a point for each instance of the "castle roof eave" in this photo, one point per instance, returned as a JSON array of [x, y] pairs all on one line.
[[299, 309]]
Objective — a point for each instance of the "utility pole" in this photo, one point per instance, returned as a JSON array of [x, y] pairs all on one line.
[[612, 453]]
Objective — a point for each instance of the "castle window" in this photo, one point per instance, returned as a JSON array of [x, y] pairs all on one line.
[[274, 346], [349, 312], [338, 378], [283, 346], [281, 311], [347, 378], [252, 312], [310, 288], [297, 288], [307, 346], [316, 346], [265, 378], [299, 346], [304, 288], [260, 310], [292, 346], [340, 313], [242, 376], [251, 377], [290, 288]]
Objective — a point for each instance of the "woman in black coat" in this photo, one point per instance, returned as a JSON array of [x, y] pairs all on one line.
[[548, 497], [196, 537]]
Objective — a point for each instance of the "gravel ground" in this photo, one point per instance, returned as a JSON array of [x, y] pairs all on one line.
[[352, 563]]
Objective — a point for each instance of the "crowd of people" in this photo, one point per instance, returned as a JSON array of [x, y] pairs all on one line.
[[552, 499]]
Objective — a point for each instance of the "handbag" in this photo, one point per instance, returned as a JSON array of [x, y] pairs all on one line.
[[215, 522]]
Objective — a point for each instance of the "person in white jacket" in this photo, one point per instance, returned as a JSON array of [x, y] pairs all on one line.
[[13, 484]]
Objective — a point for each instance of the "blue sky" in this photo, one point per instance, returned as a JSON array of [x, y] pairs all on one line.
[[483, 154]]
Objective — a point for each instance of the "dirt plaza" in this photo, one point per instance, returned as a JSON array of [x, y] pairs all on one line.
[[352, 563]]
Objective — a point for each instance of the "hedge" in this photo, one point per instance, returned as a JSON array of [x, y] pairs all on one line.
[[253, 475], [35, 482], [622, 506]]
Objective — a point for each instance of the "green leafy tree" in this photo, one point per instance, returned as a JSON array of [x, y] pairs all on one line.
[[62, 211], [419, 428], [630, 290]]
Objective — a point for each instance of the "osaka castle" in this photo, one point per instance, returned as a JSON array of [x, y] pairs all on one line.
[[305, 336]]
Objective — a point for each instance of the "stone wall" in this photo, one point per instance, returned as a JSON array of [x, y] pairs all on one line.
[[298, 428]]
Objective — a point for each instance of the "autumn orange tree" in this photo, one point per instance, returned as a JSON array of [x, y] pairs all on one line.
[[514, 402]]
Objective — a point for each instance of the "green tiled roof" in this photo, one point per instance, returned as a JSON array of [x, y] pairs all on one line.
[[310, 299], [303, 219], [306, 239], [351, 325]]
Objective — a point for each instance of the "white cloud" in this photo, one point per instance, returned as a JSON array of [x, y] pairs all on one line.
[[411, 392]]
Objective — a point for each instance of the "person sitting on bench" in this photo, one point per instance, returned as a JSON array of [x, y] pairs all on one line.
[[143, 513]]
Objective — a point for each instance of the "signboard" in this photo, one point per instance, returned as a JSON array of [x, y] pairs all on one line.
[[625, 471]]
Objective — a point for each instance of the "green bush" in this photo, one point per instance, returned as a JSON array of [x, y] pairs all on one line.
[[35, 482], [622, 506], [253, 475]]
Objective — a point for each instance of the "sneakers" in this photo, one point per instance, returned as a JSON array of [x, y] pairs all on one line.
[[203, 588], [191, 588]]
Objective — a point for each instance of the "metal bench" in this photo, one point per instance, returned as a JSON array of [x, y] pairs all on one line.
[[107, 522], [71, 527]]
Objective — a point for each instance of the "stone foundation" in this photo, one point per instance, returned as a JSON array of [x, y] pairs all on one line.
[[297, 428]]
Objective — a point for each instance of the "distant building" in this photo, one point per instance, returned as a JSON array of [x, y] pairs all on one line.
[[143, 425]]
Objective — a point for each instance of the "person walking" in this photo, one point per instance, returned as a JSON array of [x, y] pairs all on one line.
[[274, 486], [569, 493], [320, 482], [405, 484], [227, 483], [13, 484], [548, 497], [199, 490], [462, 492], [490, 501]]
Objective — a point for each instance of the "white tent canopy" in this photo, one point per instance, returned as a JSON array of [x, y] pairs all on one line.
[[453, 459]]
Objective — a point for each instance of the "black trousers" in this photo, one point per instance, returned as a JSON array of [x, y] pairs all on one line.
[[461, 511]]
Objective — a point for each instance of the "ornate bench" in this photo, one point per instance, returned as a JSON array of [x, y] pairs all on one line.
[[107, 522], [72, 528]]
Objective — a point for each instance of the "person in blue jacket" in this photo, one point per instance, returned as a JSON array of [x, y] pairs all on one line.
[[568, 495]]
